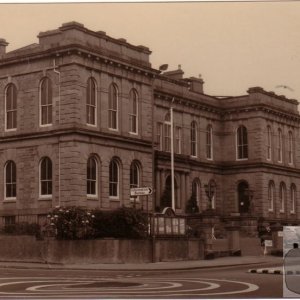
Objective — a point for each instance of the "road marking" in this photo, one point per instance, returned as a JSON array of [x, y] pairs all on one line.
[[143, 287]]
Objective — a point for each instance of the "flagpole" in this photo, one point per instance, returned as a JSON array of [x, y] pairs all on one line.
[[172, 159]]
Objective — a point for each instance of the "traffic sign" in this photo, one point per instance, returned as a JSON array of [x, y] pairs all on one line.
[[142, 191]]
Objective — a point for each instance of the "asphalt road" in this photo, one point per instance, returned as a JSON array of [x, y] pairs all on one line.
[[224, 282]]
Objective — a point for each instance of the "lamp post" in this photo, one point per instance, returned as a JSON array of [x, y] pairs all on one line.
[[210, 192]]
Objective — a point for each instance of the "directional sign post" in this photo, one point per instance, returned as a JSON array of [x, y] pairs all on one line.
[[142, 191]]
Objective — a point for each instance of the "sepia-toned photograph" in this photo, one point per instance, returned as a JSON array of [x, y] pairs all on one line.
[[150, 150]]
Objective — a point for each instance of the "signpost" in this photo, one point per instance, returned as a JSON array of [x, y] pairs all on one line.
[[142, 191]]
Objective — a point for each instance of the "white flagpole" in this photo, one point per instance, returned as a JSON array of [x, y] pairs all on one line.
[[172, 159]]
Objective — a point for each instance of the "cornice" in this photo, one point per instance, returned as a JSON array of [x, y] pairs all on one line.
[[74, 130], [224, 167], [194, 104], [83, 51]]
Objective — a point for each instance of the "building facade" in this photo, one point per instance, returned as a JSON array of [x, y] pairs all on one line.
[[85, 117]]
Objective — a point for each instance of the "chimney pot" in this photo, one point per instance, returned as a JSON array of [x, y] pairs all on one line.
[[3, 45]]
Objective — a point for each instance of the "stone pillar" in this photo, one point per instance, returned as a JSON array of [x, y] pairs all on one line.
[[233, 232], [209, 219], [277, 241], [187, 187], [158, 188]]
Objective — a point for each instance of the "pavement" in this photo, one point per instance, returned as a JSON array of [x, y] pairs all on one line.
[[177, 265]]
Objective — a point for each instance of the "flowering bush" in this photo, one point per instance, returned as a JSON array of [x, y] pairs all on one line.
[[78, 223], [71, 223]]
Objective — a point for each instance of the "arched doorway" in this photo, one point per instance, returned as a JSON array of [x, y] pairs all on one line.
[[243, 197], [166, 198]]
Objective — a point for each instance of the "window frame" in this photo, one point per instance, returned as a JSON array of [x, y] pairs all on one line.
[[293, 199], [280, 146], [290, 148], [271, 196], [91, 86], [282, 197], [45, 196], [133, 105], [113, 111], [269, 143], [12, 198], [137, 167], [114, 197], [178, 139], [94, 181], [240, 139], [194, 146], [209, 142], [167, 133], [43, 80], [159, 135], [196, 187], [14, 110]]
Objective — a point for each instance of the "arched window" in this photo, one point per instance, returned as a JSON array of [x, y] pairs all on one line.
[[46, 102], [269, 142], [290, 147], [242, 143], [209, 142], [271, 195], [279, 145], [282, 197], [134, 175], [196, 191], [167, 133], [243, 197], [11, 107], [293, 198], [133, 111], [91, 178], [113, 107], [194, 139], [114, 179], [91, 102], [46, 177], [10, 180]]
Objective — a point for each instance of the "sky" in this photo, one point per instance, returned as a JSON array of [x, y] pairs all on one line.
[[233, 45]]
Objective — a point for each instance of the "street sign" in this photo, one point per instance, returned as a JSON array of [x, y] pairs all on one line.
[[142, 191]]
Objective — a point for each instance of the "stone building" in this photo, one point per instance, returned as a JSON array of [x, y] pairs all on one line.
[[85, 117]]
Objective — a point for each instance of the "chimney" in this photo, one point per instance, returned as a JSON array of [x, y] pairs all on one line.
[[176, 74], [196, 84], [3, 45]]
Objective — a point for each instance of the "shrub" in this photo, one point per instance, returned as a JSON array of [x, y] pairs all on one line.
[[22, 229], [78, 223], [191, 205]]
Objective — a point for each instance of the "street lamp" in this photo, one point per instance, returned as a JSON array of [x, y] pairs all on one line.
[[210, 192]]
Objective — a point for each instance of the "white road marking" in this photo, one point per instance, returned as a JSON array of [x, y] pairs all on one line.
[[164, 287]]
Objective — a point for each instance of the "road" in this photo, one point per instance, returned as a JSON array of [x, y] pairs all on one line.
[[222, 282]]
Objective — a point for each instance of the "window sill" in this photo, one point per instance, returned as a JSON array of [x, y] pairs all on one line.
[[113, 129], [92, 197], [281, 211], [45, 198], [10, 200], [292, 212], [116, 199], [210, 159], [133, 133], [91, 125], [241, 159], [11, 130], [270, 210], [46, 125]]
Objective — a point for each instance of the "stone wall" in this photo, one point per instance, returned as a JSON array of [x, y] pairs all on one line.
[[28, 249]]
